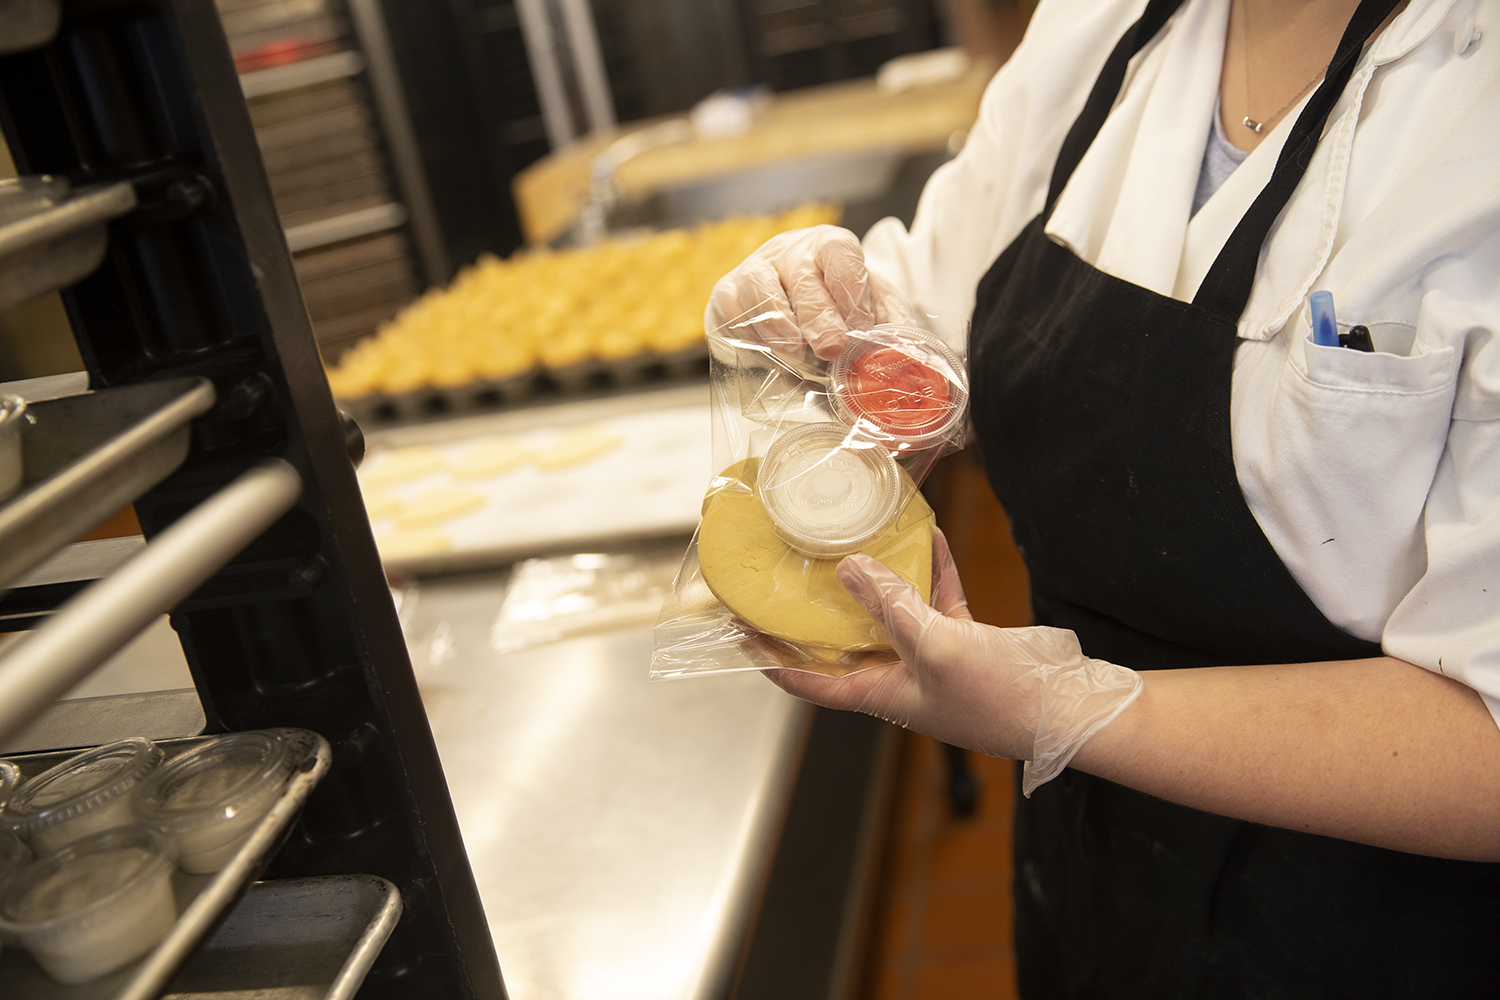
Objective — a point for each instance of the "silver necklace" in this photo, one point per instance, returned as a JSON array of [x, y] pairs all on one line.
[[1247, 121]]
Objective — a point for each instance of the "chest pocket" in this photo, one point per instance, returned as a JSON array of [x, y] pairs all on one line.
[[1356, 437]]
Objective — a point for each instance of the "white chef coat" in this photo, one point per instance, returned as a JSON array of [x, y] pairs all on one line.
[[1376, 477]]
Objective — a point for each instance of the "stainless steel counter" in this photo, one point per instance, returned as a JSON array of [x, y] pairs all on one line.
[[619, 829]]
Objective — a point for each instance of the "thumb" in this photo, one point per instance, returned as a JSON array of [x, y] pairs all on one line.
[[891, 601]]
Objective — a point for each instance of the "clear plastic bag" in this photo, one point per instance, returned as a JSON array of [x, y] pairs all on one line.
[[817, 459], [563, 596]]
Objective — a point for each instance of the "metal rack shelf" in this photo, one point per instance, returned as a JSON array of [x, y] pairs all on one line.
[[50, 238], [201, 899], [85, 631], [86, 456], [294, 938], [256, 541]]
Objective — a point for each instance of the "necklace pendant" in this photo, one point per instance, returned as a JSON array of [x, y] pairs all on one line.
[[1252, 124]]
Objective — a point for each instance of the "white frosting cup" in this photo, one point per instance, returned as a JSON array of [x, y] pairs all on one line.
[[13, 856], [211, 797], [80, 796], [94, 906], [10, 777], [828, 490]]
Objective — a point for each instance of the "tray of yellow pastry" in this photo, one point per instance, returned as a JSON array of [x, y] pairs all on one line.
[[626, 312]]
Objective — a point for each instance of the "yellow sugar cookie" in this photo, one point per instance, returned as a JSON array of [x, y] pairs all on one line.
[[401, 464], [579, 445], [491, 458], [795, 597], [439, 505]]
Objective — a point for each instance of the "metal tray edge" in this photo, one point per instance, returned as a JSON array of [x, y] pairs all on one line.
[[196, 922]]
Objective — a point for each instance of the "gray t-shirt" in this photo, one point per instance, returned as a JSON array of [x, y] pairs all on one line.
[[1220, 157]]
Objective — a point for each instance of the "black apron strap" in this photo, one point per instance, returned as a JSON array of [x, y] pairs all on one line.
[[1226, 287], [1102, 97]]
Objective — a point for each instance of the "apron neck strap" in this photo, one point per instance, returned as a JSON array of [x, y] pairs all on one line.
[[1102, 98], [1226, 288]]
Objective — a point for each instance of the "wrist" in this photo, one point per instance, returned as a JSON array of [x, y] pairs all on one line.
[[1075, 705]]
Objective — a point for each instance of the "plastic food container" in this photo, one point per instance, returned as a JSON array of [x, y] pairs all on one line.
[[12, 417], [13, 854], [210, 798], [13, 857], [80, 796], [10, 777], [902, 382], [98, 904], [827, 490]]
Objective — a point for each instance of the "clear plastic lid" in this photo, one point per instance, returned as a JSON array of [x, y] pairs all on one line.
[[79, 785], [10, 777], [828, 490], [88, 881], [216, 780], [902, 381]]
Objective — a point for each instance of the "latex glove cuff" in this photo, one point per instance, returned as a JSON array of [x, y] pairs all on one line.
[[1076, 700]]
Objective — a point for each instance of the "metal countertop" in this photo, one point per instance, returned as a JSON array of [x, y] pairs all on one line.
[[619, 829]]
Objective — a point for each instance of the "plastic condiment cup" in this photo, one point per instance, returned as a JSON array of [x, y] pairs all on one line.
[[210, 798], [13, 857], [827, 490], [98, 904], [10, 777], [13, 854], [12, 418], [902, 382], [80, 796]]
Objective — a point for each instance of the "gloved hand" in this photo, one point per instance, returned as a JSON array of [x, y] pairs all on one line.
[[1022, 693], [803, 287]]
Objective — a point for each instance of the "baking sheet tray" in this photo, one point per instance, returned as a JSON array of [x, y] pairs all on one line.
[[201, 899], [652, 485], [86, 456], [294, 939], [639, 370], [56, 245]]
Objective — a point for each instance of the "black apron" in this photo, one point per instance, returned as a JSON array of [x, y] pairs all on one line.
[[1102, 410]]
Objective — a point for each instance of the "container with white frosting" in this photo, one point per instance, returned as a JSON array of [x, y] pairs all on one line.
[[94, 906], [210, 798], [80, 796], [13, 856], [10, 777], [828, 490]]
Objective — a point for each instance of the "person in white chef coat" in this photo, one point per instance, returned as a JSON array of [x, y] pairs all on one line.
[[1259, 711]]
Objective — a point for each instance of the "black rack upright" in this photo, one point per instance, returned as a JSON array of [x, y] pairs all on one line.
[[299, 630]]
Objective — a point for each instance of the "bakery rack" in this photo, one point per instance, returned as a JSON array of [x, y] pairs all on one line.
[[143, 199]]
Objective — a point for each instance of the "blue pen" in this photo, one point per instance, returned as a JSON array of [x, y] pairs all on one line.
[[1325, 327]]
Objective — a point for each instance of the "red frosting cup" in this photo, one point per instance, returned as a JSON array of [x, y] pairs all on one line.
[[904, 384]]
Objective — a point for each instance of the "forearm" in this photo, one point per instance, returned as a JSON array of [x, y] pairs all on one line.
[[1377, 751]]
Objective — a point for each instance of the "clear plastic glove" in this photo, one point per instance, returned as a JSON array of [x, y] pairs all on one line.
[[804, 288], [1022, 693]]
